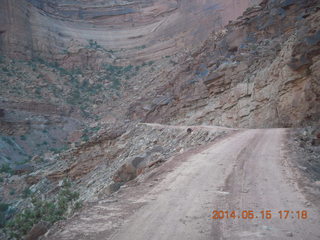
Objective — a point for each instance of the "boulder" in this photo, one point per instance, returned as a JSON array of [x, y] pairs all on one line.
[[126, 173], [37, 230], [22, 169]]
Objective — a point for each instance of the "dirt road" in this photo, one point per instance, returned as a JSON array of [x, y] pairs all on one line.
[[246, 171]]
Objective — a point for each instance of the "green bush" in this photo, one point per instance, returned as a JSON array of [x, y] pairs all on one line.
[[23, 138], [49, 211], [26, 193], [5, 168], [140, 47], [85, 138], [12, 191], [3, 209], [2, 59], [94, 45], [5, 69]]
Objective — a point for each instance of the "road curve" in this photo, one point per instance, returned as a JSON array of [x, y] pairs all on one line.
[[247, 171]]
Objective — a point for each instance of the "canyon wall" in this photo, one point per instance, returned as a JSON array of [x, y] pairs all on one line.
[[78, 33], [262, 70], [91, 57], [121, 61]]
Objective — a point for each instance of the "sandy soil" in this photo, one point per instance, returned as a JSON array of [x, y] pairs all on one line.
[[248, 170]]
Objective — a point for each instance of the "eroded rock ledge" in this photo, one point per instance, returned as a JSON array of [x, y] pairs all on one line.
[[261, 71]]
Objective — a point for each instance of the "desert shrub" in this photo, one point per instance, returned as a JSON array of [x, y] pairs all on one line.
[[115, 73], [12, 191], [5, 168], [23, 137], [2, 59], [94, 44], [26, 192], [140, 47], [3, 208], [49, 211], [5, 69], [85, 138], [95, 129]]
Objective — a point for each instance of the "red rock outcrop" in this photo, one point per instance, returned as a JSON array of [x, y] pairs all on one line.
[[78, 33]]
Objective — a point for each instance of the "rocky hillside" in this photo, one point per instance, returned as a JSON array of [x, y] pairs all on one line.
[[90, 58], [262, 70], [84, 85]]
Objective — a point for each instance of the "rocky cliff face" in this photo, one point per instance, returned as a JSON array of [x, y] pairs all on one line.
[[92, 58], [78, 33], [77, 76], [262, 70], [137, 60]]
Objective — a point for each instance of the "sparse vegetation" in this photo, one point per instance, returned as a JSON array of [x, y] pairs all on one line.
[[94, 44], [59, 150], [5, 168], [115, 73], [26, 193], [2, 59], [95, 129], [3, 208], [74, 87], [77, 90], [85, 138], [23, 138], [49, 211], [140, 47], [12, 191]]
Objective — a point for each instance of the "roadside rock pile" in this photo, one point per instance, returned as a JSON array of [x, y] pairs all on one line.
[[116, 155]]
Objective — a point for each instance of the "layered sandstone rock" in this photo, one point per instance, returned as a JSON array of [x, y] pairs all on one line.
[[261, 71], [68, 76], [78, 33], [66, 63]]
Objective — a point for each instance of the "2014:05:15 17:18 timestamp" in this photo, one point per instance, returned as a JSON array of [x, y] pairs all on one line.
[[264, 214]]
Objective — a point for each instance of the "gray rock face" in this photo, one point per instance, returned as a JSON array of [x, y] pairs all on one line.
[[263, 71]]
